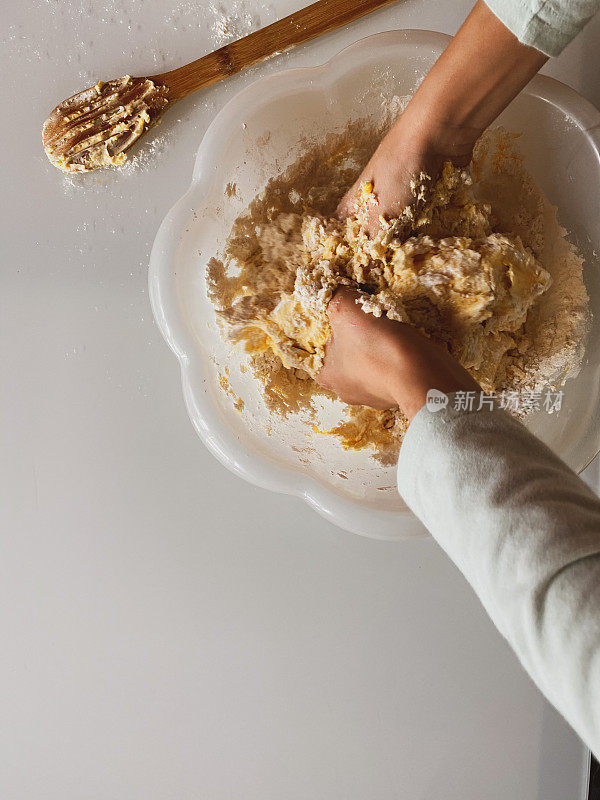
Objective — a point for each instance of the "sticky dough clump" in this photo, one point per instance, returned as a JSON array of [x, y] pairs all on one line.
[[470, 287]]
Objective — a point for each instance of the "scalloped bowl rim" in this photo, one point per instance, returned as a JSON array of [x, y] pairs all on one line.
[[344, 512]]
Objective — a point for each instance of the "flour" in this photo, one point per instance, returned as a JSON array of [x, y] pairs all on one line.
[[552, 347], [234, 19], [144, 159], [268, 249]]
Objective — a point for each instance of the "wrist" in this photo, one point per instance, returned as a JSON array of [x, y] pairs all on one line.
[[474, 79], [436, 135], [419, 365]]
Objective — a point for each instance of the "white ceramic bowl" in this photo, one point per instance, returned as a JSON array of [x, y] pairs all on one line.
[[257, 135]]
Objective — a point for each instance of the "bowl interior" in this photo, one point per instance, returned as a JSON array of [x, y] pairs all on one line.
[[258, 135]]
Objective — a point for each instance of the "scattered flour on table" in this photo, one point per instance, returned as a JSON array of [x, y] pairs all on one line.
[[237, 18], [144, 159]]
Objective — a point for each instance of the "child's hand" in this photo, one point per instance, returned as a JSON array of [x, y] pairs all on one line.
[[381, 363], [476, 77], [411, 147], [390, 170]]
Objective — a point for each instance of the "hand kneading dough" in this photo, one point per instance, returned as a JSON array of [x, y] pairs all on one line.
[[462, 264], [469, 292]]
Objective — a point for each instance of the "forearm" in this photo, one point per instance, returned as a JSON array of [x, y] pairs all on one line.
[[483, 68], [478, 74], [525, 531]]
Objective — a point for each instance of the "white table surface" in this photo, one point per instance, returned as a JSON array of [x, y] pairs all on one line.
[[167, 630]]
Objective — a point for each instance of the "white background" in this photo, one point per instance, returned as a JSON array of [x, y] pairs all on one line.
[[166, 630]]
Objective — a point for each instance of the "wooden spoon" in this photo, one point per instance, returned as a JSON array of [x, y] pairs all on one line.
[[96, 127]]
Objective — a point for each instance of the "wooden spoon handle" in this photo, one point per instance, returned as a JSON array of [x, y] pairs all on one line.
[[319, 18]]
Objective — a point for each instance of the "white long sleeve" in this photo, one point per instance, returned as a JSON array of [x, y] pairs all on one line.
[[525, 532], [547, 25]]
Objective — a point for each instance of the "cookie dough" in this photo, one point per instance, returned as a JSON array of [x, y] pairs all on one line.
[[477, 262], [470, 291]]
